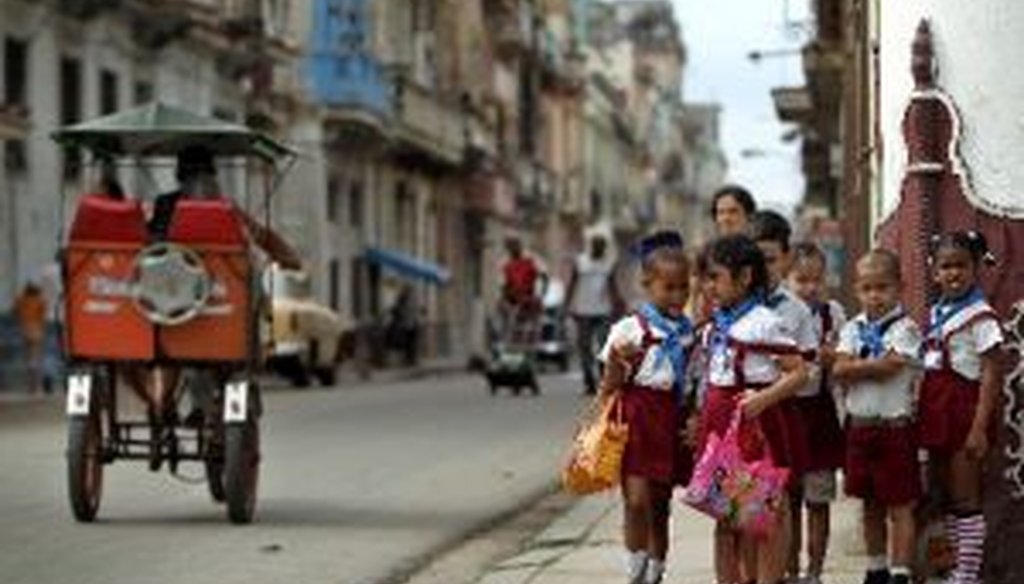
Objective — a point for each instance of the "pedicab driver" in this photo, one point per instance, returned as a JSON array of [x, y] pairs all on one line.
[[197, 177]]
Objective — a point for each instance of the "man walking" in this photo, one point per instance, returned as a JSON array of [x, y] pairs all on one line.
[[593, 299]]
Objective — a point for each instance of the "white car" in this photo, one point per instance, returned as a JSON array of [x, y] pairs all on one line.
[[308, 339]]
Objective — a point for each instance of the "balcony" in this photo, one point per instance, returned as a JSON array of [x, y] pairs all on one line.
[[511, 26], [14, 122], [428, 125], [86, 9]]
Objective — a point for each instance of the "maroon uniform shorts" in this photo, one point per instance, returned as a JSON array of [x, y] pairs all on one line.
[[881, 462], [946, 410], [826, 443], [654, 449]]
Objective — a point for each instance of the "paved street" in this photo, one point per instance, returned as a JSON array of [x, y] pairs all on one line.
[[357, 484]]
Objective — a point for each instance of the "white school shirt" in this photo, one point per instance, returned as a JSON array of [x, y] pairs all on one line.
[[966, 346], [894, 397], [652, 373], [803, 326], [760, 325]]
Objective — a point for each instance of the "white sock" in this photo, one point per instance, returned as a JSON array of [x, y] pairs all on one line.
[[655, 571], [876, 563], [900, 571], [637, 564]]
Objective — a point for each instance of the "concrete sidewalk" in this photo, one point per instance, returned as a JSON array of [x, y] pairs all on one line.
[[584, 547]]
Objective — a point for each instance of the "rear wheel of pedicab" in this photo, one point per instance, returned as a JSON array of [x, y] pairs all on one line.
[[241, 469], [85, 464]]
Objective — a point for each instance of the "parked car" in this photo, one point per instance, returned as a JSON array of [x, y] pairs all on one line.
[[309, 339]]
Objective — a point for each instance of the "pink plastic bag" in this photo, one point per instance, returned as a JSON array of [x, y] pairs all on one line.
[[745, 495]]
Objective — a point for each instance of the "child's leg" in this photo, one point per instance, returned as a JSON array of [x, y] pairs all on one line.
[[965, 495], [636, 498], [818, 527], [727, 555], [773, 551], [657, 538], [875, 535], [796, 516], [903, 538]]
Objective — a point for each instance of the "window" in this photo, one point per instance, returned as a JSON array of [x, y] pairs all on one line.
[[15, 157], [143, 92], [71, 109], [404, 216], [355, 205], [15, 72], [356, 286], [335, 284], [108, 92], [332, 199]]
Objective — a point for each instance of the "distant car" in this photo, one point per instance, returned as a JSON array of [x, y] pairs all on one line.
[[309, 340]]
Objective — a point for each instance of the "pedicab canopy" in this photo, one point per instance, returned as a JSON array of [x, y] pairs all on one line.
[[158, 129]]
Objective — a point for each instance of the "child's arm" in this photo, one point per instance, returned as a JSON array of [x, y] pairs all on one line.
[[794, 376], [988, 336], [977, 439], [850, 369]]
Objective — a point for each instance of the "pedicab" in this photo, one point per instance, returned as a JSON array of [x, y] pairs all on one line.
[[188, 301]]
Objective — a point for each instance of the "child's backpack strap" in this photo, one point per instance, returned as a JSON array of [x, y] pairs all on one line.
[[743, 348], [980, 316], [647, 342]]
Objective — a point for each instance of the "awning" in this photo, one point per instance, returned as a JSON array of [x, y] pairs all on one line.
[[407, 266]]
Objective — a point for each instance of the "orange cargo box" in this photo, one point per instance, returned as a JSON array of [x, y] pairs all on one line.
[[221, 331], [102, 321]]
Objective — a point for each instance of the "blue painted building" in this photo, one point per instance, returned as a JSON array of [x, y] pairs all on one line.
[[341, 67]]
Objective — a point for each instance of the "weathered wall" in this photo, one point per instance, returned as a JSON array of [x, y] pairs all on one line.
[[977, 46]]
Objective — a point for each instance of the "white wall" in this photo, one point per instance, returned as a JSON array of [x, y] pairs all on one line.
[[978, 46], [181, 74]]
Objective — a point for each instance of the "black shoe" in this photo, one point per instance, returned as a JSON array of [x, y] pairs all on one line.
[[877, 577], [195, 418]]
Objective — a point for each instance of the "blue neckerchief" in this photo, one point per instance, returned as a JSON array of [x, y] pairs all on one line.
[[678, 334], [872, 333], [724, 318], [947, 308]]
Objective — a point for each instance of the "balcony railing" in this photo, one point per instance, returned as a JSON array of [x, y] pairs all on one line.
[[430, 124]]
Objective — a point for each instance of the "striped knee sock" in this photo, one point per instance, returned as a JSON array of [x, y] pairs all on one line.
[[970, 547]]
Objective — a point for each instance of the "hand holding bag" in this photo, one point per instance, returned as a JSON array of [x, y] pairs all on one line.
[[595, 462]]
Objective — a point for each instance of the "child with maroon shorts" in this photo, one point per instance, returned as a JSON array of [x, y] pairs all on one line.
[[877, 362], [646, 357], [818, 413], [958, 394], [752, 366]]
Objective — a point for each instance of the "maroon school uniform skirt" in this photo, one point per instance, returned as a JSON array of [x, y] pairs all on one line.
[[778, 428], [654, 450], [823, 435], [946, 410]]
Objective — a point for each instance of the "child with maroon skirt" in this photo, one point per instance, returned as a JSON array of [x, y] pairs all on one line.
[[959, 392], [753, 365], [877, 363], [646, 357], [772, 233], [818, 414]]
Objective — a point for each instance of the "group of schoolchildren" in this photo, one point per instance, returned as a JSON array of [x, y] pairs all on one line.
[[757, 342]]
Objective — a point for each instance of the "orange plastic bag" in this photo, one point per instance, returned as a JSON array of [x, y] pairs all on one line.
[[595, 462]]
